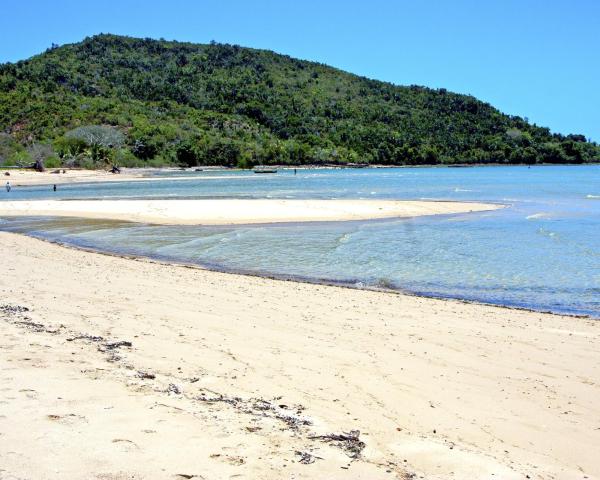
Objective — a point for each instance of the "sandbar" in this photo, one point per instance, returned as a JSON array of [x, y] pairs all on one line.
[[230, 212]]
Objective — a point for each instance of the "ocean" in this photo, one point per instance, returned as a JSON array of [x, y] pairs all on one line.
[[541, 252]]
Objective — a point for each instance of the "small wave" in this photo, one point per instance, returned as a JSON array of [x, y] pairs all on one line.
[[463, 190], [385, 283], [344, 238], [593, 197], [536, 215], [547, 233]]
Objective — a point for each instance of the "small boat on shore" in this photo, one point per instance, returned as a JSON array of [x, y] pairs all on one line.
[[265, 170]]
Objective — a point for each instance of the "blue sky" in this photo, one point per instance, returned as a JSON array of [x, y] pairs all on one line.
[[538, 59]]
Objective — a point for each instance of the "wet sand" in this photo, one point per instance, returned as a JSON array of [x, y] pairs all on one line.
[[127, 368]]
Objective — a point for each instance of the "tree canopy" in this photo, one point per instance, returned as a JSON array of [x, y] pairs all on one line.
[[165, 102]]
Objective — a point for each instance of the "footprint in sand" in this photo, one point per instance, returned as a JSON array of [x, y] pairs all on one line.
[[29, 393], [118, 476], [68, 419], [126, 445], [231, 460]]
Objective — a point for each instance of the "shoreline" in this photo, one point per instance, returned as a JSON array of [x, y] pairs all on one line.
[[348, 284], [29, 177], [438, 388], [237, 212]]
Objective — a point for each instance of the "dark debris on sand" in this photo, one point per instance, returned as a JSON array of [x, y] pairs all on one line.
[[111, 348], [349, 442], [307, 458], [172, 388], [89, 338], [262, 408], [13, 309], [291, 417], [15, 314], [115, 345]]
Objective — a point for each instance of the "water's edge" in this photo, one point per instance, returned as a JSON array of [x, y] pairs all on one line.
[[541, 254], [350, 284]]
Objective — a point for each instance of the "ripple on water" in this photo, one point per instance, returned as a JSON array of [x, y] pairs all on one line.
[[496, 257]]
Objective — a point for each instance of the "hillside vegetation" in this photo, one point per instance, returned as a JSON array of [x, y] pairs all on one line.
[[114, 99]]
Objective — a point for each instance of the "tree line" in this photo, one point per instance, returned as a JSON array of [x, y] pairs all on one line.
[[144, 102]]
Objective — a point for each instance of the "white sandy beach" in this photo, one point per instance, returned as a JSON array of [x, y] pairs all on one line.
[[30, 178], [25, 177], [231, 376], [224, 212]]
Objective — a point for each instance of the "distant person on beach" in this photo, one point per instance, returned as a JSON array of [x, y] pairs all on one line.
[[8, 187], [54, 188]]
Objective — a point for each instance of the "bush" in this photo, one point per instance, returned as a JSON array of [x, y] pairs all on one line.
[[124, 158], [158, 162], [52, 162], [19, 158], [246, 163], [69, 147], [86, 163]]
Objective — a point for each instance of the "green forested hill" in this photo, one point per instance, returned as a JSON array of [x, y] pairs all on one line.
[[161, 102]]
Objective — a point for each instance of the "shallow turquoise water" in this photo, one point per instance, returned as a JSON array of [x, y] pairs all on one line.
[[541, 252]]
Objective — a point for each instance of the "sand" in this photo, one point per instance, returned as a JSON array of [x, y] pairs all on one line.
[[22, 177], [442, 389], [226, 212], [29, 178]]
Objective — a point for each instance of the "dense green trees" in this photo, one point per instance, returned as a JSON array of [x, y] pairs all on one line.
[[180, 103]]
